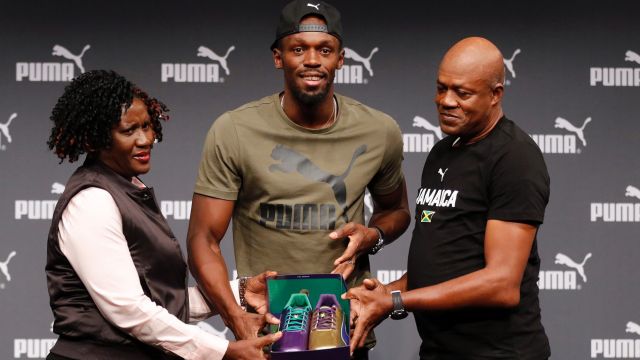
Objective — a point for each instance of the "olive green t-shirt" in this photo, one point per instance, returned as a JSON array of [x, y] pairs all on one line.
[[292, 186]]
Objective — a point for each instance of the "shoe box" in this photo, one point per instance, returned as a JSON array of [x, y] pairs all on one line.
[[284, 291]]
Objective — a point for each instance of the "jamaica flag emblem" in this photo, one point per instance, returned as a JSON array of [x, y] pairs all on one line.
[[426, 216]]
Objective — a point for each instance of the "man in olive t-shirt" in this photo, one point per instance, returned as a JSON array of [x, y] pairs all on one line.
[[291, 170], [293, 186]]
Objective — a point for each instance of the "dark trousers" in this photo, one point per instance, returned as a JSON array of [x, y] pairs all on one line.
[[361, 354]]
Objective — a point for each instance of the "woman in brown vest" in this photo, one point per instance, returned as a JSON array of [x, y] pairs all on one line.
[[115, 272]]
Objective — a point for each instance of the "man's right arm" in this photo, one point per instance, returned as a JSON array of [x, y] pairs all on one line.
[[209, 222]]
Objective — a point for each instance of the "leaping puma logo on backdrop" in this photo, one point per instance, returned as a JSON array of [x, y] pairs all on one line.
[[350, 54], [508, 63], [633, 328], [632, 56], [579, 131], [59, 50], [4, 266], [4, 130], [425, 124], [632, 191], [563, 259], [204, 51], [293, 161]]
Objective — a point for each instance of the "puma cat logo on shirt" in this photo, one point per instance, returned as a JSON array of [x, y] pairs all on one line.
[[437, 197], [441, 173], [291, 161]]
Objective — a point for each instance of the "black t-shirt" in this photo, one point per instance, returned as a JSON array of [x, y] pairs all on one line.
[[501, 177]]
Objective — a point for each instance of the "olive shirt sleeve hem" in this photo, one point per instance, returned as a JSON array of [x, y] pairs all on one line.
[[390, 175]]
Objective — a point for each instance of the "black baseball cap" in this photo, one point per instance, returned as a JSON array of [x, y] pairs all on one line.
[[294, 11]]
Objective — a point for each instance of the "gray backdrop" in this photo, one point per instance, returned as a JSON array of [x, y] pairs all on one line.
[[572, 62]]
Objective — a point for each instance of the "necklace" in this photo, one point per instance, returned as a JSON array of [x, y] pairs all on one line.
[[331, 118]]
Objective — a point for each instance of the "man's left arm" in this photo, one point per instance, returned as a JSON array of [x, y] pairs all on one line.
[[507, 249], [390, 214]]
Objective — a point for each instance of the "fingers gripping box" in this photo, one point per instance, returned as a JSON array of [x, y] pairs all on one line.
[[314, 320]]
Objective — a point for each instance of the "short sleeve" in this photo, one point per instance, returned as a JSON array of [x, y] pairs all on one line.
[[389, 176], [219, 174], [519, 185]]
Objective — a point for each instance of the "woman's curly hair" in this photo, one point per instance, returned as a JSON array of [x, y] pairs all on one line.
[[90, 107]]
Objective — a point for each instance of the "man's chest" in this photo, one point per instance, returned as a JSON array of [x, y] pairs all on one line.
[[452, 185]]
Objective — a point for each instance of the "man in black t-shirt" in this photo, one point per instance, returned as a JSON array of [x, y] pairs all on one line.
[[473, 262]]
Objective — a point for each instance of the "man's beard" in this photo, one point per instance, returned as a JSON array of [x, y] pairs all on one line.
[[311, 99]]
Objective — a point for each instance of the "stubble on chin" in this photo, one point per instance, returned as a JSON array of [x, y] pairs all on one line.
[[310, 99]]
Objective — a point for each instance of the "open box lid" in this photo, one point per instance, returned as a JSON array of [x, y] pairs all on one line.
[[279, 291], [281, 287]]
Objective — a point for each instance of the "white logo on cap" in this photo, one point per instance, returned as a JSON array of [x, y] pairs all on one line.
[[204, 51], [59, 50], [579, 131], [632, 56], [317, 7], [350, 54], [508, 63]]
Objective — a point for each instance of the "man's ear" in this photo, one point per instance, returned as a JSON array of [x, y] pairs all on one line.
[[497, 93], [341, 59], [277, 58]]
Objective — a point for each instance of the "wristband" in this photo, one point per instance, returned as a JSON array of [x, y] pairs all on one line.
[[242, 288], [380, 244]]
